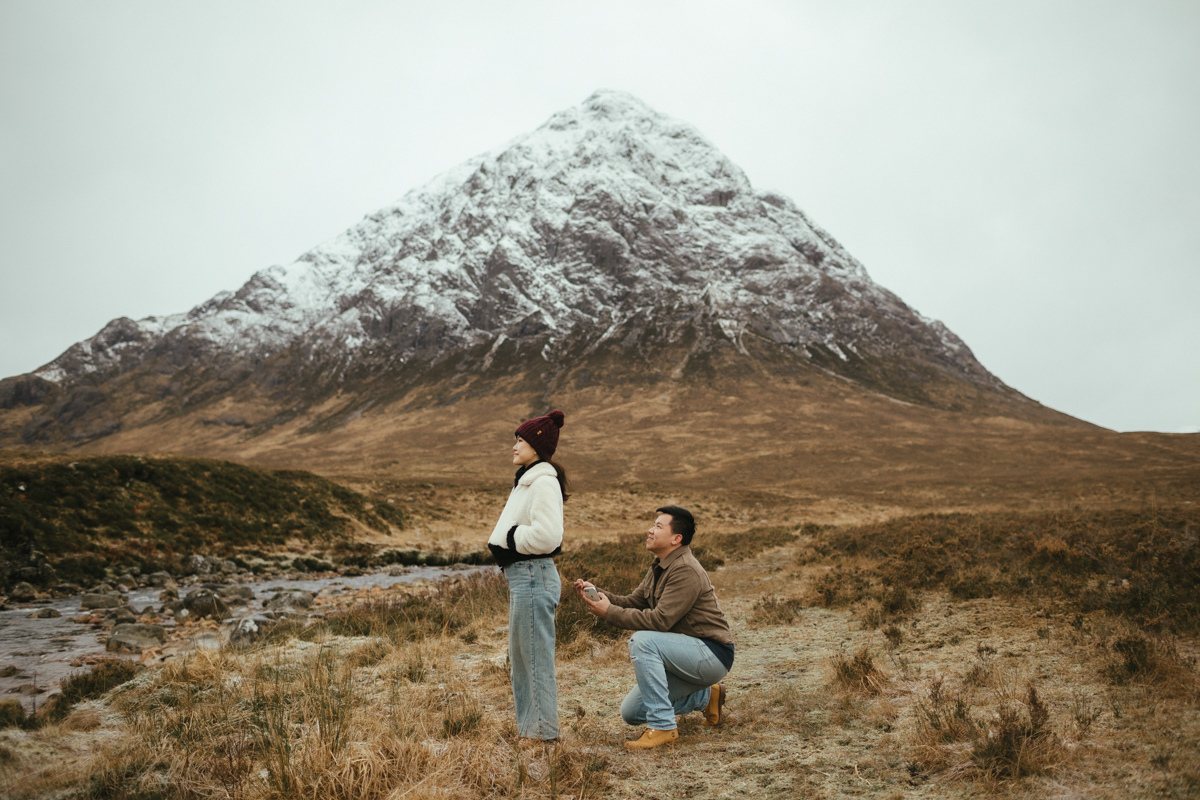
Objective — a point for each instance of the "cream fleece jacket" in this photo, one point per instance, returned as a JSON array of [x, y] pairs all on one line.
[[535, 506]]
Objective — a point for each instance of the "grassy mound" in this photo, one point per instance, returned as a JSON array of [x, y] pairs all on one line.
[[1143, 565], [88, 512]]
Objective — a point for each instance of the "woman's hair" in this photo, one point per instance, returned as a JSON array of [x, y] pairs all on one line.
[[564, 484]]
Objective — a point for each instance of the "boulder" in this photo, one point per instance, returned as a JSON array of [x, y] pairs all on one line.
[[8, 671], [171, 593], [136, 638], [290, 599], [205, 603], [102, 588], [95, 600], [23, 592], [45, 613], [65, 590]]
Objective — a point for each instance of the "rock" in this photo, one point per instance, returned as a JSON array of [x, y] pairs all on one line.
[[95, 600], [290, 599], [351, 572], [127, 580], [228, 566], [12, 713], [161, 579], [136, 638], [206, 640], [204, 603], [249, 629], [122, 616], [45, 613], [168, 594], [30, 689], [236, 595], [23, 592], [8, 672], [65, 590], [101, 588], [197, 564]]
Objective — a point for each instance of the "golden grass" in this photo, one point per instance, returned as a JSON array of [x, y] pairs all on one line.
[[1004, 696]]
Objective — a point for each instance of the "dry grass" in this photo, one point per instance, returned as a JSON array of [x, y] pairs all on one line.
[[1143, 565], [859, 672], [943, 697]]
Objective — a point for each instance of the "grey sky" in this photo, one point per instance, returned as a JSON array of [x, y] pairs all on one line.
[[1027, 172]]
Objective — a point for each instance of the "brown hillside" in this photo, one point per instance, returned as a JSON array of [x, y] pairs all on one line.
[[735, 423]]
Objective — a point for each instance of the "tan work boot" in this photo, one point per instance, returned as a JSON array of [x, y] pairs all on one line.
[[714, 712], [652, 738]]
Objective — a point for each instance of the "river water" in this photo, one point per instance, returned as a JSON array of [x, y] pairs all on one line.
[[42, 650]]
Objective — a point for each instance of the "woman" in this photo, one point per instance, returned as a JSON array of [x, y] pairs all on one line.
[[524, 543]]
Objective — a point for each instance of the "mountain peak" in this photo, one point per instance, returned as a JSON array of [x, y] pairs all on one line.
[[610, 225]]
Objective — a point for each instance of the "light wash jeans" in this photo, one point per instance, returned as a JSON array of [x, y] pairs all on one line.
[[533, 593], [675, 674]]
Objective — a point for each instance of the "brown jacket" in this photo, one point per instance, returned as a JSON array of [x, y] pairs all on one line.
[[675, 596]]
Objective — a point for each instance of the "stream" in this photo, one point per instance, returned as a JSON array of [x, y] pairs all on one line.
[[42, 650]]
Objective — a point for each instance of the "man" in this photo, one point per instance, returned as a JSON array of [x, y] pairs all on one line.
[[682, 648]]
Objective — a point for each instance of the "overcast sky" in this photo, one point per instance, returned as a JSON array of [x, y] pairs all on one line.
[[1026, 172]]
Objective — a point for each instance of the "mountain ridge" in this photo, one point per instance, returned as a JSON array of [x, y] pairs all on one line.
[[608, 224]]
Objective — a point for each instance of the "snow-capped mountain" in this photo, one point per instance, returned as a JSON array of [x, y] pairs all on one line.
[[610, 226]]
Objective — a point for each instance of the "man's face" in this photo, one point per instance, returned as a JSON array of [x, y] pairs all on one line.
[[659, 539]]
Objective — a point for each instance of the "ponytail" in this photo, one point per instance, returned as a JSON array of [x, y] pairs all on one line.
[[564, 484]]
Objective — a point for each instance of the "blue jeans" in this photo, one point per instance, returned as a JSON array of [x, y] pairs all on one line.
[[533, 592], [675, 674]]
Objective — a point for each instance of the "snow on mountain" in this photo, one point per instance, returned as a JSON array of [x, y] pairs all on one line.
[[607, 211]]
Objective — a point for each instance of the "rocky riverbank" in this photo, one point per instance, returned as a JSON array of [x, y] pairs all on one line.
[[157, 618]]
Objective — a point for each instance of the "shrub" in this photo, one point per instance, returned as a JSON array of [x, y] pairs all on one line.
[[447, 608], [12, 713], [1144, 564], [1016, 744], [120, 511], [771, 610], [99, 680], [1137, 658], [859, 672]]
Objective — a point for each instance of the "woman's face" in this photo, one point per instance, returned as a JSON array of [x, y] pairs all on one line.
[[523, 453]]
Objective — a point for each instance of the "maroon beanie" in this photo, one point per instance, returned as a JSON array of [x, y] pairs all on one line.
[[542, 433]]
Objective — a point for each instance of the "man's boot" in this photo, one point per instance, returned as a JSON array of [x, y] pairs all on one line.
[[652, 738], [714, 712]]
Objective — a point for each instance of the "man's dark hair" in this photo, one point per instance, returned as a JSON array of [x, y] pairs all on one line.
[[682, 522]]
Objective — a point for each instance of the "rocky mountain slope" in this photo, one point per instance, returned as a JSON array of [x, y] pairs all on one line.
[[612, 244]]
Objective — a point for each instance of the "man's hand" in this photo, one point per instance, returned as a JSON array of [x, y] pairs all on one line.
[[597, 607]]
